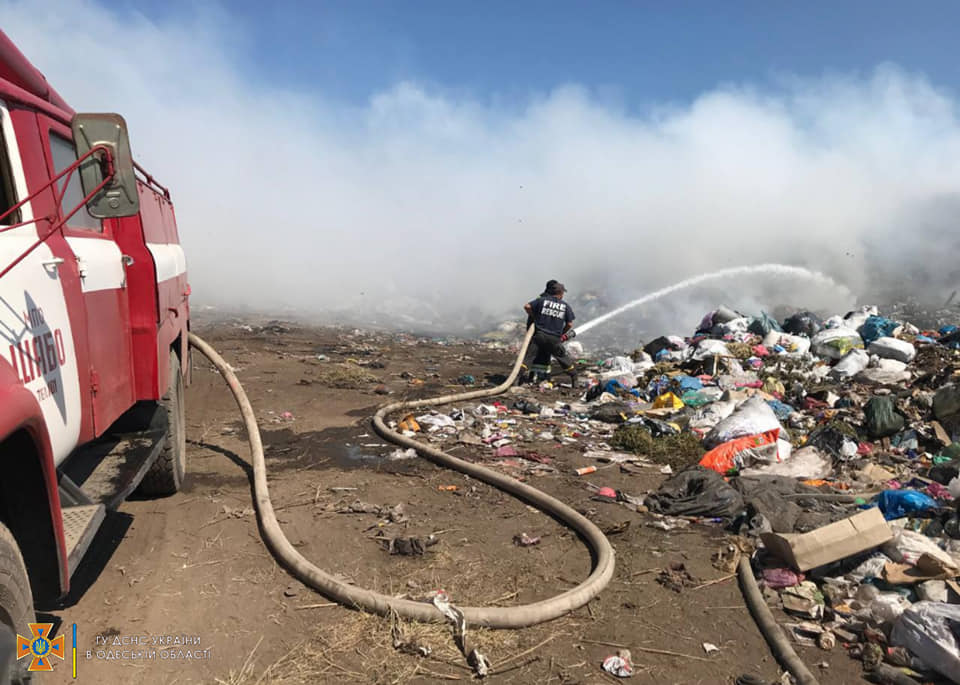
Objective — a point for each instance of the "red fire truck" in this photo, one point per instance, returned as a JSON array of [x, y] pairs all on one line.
[[94, 319]]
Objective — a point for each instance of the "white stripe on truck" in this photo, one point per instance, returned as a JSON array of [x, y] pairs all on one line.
[[169, 259]]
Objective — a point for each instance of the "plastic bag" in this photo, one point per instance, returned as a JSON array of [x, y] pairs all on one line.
[[708, 348], [696, 491], [834, 343], [946, 401], [744, 451], [891, 348], [886, 372], [622, 365], [882, 419], [808, 462], [696, 398], [929, 631], [763, 325], [870, 568], [852, 363], [803, 323], [877, 327], [736, 327], [896, 504], [780, 409], [711, 415], [907, 546], [751, 418], [668, 401], [856, 319], [887, 607]]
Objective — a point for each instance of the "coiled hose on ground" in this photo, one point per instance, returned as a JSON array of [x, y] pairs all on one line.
[[492, 617], [375, 602]]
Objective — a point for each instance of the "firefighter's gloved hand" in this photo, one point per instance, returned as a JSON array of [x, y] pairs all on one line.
[[566, 336]]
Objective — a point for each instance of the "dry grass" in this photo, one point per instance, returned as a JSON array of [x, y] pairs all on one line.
[[361, 650], [345, 376]]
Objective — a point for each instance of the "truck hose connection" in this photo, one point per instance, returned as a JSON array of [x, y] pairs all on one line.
[[376, 602]]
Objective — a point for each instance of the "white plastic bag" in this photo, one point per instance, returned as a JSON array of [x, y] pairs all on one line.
[[436, 422], [808, 462], [752, 417], [887, 607], [858, 318], [870, 568], [708, 348], [736, 327], [908, 546], [618, 364], [709, 416], [834, 343], [933, 591], [884, 372], [924, 629], [835, 321], [891, 348], [850, 365]]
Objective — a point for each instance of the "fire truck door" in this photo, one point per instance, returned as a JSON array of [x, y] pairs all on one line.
[[103, 281], [36, 336]]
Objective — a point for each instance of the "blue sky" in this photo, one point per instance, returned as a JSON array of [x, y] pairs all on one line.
[[628, 52]]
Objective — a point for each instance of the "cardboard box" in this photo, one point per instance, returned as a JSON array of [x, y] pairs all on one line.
[[839, 540]]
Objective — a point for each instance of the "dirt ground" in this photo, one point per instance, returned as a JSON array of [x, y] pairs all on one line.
[[193, 566]]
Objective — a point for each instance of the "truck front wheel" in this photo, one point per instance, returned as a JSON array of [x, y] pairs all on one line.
[[16, 606], [166, 475]]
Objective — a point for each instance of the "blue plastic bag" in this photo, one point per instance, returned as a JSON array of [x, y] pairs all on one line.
[[899, 503], [615, 387], [688, 383], [781, 409], [877, 327]]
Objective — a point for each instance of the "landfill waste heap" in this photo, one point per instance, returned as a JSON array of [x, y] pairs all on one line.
[[829, 448]]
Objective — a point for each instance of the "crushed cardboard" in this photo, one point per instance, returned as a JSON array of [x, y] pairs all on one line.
[[833, 542]]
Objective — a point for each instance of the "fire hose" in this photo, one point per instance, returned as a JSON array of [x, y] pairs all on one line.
[[491, 617], [384, 605]]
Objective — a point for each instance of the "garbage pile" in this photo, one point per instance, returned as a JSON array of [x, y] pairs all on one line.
[[831, 446]]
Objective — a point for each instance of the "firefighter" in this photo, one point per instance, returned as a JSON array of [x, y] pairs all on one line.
[[553, 319]]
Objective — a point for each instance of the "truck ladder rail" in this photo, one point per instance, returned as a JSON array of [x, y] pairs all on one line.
[[151, 182], [55, 225]]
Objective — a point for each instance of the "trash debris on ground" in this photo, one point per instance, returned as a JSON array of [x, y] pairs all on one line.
[[619, 664], [524, 540], [412, 546], [828, 447]]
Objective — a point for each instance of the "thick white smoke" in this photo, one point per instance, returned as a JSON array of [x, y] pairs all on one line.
[[450, 210]]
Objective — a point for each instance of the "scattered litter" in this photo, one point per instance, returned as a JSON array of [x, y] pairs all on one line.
[[676, 577], [409, 546], [619, 664], [524, 540]]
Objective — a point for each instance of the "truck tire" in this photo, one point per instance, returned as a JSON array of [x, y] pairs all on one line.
[[16, 599], [166, 475]]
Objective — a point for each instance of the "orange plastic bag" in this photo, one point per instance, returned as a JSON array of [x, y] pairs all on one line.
[[735, 454]]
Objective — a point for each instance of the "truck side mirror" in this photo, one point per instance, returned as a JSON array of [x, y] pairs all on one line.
[[119, 197]]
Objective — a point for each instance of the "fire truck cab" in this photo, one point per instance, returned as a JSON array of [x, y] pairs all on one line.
[[94, 320]]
